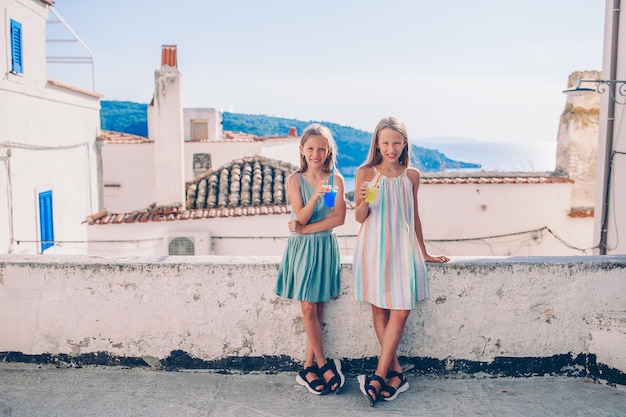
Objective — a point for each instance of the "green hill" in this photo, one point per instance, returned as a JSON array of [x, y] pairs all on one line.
[[353, 144]]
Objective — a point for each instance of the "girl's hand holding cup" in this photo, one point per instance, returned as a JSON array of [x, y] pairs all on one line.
[[330, 194]]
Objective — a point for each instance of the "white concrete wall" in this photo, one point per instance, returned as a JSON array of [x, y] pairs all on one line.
[[450, 214], [132, 167], [215, 307], [287, 149], [212, 116], [238, 236], [457, 212]]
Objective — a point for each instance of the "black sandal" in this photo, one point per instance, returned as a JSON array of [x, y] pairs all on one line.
[[366, 387], [394, 392], [338, 378], [311, 385]]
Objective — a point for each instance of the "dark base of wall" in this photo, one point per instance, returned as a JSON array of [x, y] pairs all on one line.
[[581, 365]]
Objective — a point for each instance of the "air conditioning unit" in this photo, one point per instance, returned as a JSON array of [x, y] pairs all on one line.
[[188, 244]]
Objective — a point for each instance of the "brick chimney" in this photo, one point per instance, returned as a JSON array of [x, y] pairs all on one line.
[[168, 56], [165, 123], [293, 131]]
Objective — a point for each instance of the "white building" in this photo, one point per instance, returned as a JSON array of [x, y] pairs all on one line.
[[481, 213], [48, 142]]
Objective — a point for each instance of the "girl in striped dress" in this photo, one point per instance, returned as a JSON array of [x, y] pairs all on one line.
[[389, 269]]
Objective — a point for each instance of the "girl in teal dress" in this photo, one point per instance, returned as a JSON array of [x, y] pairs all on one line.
[[311, 266]]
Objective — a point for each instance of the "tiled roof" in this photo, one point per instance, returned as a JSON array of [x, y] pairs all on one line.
[[244, 187], [228, 136], [486, 177], [253, 181], [122, 138], [72, 88]]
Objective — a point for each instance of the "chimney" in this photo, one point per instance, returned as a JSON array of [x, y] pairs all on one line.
[[166, 129], [168, 56], [293, 132], [577, 142]]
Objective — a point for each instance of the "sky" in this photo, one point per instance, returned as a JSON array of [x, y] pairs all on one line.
[[486, 70]]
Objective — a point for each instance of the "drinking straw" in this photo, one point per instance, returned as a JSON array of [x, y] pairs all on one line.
[[332, 176], [378, 176]]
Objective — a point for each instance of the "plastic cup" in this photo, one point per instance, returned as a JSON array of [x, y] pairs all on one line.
[[372, 192], [330, 195]]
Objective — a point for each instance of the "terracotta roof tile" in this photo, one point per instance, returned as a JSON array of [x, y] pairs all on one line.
[[485, 177], [75, 89], [122, 138]]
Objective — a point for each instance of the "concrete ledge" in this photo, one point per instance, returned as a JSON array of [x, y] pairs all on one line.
[[494, 316]]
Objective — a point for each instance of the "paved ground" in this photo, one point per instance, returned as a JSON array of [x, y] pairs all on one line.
[[32, 390]]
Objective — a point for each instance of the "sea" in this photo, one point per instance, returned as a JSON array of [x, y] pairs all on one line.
[[492, 156]]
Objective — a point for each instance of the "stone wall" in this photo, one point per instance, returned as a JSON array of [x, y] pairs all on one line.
[[503, 316]]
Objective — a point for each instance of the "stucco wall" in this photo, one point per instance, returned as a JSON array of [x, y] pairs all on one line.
[[215, 307], [457, 219]]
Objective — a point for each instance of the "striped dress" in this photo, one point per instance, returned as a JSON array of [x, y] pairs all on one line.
[[389, 270]]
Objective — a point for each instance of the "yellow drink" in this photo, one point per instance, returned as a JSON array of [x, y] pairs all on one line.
[[370, 196]]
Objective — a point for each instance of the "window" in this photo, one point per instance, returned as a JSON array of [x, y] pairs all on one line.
[[46, 223], [199, 129], [201, 163], [16, 47]]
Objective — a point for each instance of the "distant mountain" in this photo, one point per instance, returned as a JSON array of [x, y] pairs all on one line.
[[353, 144]]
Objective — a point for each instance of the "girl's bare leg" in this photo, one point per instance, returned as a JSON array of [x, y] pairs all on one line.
[[389, 326], [381, 318], [313, 314]]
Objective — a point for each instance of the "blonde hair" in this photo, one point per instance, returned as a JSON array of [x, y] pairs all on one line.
[[319, 130], [374, 157]]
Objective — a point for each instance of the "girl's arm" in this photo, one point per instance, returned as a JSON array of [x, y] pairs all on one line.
[[337, 218], [363, 175], [414, 176], [302, 213]]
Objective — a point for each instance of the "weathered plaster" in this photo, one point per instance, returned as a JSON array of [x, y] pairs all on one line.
[[215, 308]]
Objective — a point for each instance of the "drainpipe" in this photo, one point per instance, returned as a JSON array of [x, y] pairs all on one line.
[[7, 163], [610, 121]]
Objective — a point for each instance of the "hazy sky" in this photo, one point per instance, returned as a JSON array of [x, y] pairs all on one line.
[[490, 70]]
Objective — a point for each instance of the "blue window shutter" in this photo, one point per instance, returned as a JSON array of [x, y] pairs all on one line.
[[16, 47], [46, 224]]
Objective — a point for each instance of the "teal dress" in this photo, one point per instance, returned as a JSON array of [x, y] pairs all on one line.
[[311, 265]]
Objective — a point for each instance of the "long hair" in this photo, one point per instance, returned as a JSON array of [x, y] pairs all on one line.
[[374, 157], [319, 130]]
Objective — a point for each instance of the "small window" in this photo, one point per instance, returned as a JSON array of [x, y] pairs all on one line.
[[199, 129], [46, 222], [16, 48], [202, 161]]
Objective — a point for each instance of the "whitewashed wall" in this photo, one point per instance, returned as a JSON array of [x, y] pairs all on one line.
[[473, 211], [215, 307], [128, 176], [450, 213]]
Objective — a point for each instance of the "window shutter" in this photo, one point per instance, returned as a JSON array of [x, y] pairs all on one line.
[[46, 224], [16, 47]]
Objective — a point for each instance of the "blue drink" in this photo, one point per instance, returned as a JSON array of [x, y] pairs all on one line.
[[330, 196]]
